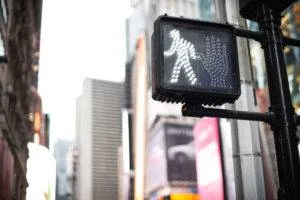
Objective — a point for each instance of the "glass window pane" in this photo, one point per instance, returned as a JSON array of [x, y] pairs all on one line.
[[207, 10]]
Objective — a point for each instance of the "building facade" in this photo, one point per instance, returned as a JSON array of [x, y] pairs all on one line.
[[62, 149], [143, 111], [98, 136], [20, 23]]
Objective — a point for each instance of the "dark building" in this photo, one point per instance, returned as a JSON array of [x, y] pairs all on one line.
[[45, 130], [128, 107], [20, 22]]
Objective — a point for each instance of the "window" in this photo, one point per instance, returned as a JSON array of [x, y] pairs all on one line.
[[207, 10]]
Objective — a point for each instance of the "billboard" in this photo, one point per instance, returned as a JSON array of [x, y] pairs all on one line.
[[171, 157], [180, 151], [209, 159]]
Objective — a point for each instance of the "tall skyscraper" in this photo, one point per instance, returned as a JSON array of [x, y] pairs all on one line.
[[99, 128]]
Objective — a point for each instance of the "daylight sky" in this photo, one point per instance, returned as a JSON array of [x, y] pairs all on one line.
[[79, 39]]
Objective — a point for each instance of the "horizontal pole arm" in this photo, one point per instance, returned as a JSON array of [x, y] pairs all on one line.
[[255, 35], [291, 42], [260, 36], [200, 111]]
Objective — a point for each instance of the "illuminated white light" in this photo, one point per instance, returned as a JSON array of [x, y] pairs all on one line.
[[185, 51], [215, 63]]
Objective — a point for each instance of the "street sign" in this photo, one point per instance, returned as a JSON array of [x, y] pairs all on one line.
[[194, 61]]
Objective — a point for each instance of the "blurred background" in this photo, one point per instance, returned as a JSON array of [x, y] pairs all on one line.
[[77, 118]]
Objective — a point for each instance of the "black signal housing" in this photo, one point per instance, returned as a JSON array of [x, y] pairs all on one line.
[[194, 61]]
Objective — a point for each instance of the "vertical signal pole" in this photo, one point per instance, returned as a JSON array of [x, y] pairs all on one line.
[[284, 126]]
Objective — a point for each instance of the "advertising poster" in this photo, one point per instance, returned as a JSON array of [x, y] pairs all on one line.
[[208, 159], [180, 151]]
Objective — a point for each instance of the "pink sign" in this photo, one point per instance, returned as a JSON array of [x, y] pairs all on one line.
[[208, 159]]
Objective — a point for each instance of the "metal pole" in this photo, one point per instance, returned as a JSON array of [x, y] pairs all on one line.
[[291, 41], [284, 126], [255, 35], [200, 111]]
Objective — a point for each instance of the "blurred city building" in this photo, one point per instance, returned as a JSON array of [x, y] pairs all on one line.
[[126, 171], [20, 23], [41, 124], [123, 176], [63, 151], [72, 172], [45, 130], [98, 137]]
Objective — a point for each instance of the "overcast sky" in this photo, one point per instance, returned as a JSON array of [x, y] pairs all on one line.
[[79, 39]]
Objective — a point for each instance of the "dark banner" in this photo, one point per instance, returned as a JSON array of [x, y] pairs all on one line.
[[180, 151]]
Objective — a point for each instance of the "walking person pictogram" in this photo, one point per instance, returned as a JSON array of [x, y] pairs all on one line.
[[185, 51], [215, 61]]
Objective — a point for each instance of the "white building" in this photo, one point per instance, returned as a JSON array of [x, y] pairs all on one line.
[[41, 173], [98, 136]]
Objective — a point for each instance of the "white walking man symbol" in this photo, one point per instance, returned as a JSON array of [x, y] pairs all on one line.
[[185, 51], [215, 63]]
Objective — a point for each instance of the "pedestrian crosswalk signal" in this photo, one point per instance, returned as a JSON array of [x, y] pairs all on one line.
[[194, 61]]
